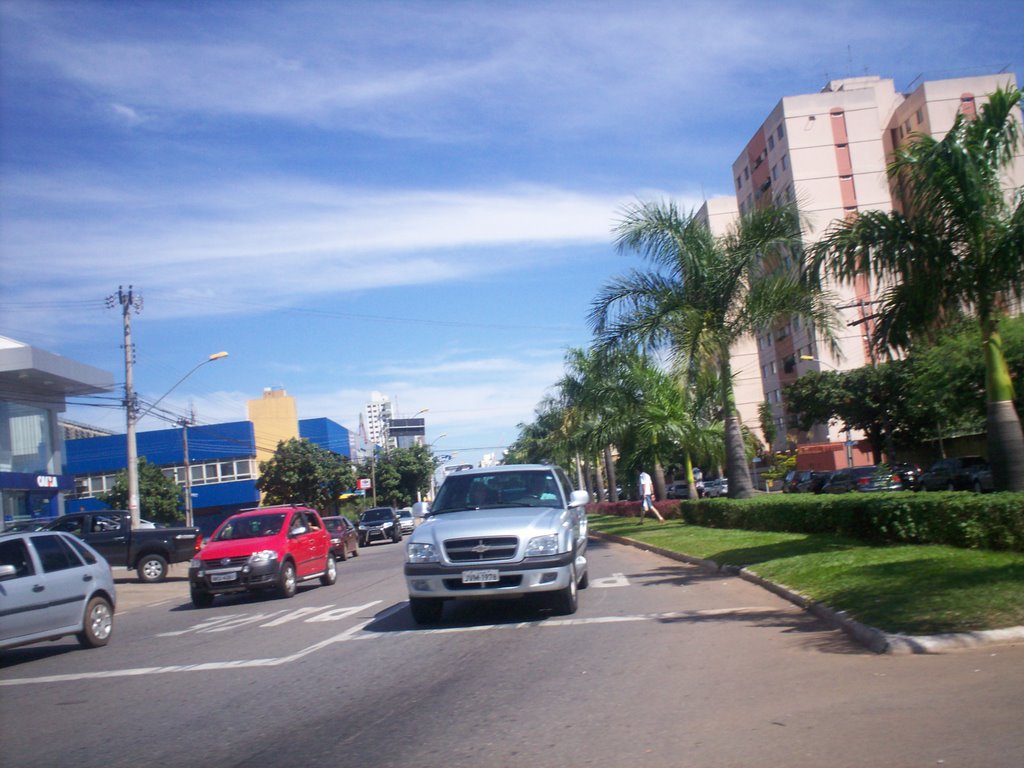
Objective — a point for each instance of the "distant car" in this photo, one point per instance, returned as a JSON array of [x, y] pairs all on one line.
[[680, 489], [849, 479], [263, 549], [885, 479], [956, 473], [813, 482], [793, 480], [719, 486], [406, 518], [379, 523], [344, 537], [53, 585]]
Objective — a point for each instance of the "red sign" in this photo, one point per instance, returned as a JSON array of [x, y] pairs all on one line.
[[363, 484]]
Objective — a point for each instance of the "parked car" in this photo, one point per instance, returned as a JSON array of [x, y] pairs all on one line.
[[344, 537], [500, 532], [980, 478], [813, 482], [263, 549], [802, 481], [148, 550], [680, 489], [54, 585], [379, 523], [885, 479], [849, 479], [956, 473], [407, 520], [719, 486]]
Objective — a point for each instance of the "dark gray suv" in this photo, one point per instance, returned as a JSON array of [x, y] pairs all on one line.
[[380, 523]]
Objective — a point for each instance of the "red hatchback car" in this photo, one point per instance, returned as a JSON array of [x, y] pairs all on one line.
[[264, 549]]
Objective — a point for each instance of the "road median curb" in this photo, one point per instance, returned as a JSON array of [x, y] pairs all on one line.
[[872, 638]]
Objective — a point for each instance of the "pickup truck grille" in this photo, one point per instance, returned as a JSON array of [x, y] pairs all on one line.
[[481, 549]]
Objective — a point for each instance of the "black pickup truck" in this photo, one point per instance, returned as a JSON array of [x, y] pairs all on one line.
[[148, 550]]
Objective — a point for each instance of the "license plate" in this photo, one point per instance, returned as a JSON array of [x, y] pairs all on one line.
[[480, 577], [215, 577]]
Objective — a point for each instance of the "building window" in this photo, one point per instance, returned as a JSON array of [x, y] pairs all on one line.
[[775, 172], [746, 173], [906, 126], [779, 132], [920, 116], [739, 182], [771, 143], [785, 162]]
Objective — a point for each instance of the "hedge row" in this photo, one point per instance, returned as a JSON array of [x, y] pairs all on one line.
[[969, 520]]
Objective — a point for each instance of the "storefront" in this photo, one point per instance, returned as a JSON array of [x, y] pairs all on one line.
[[34, 387]]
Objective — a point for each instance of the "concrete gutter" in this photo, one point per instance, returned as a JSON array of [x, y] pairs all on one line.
[[870, 637]]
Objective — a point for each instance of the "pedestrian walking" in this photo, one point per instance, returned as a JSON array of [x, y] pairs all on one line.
[[647, 497]]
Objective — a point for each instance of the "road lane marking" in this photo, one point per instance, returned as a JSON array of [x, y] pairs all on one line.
[[615, 580], [357, 632]]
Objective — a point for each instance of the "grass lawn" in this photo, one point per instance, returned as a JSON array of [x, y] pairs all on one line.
[[917, 590]]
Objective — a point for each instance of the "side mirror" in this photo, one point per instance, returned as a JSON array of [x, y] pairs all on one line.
[[298, 531], [579, 499], [7, 571], [420, 509]]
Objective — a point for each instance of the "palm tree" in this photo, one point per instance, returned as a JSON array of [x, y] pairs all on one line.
[[706, 293], [580, 389], [957, 246]]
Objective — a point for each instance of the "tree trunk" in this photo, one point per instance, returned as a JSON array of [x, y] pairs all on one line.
[[659, 481], [599, 478], [1005, 437], [691, 484], [609, 463], [740, 486]]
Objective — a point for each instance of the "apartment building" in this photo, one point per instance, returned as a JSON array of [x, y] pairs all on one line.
[[828, 151]]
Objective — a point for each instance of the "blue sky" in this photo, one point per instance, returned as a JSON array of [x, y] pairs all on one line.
[[414, 198]]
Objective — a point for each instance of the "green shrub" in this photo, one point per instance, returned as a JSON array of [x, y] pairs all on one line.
[[969, 520]]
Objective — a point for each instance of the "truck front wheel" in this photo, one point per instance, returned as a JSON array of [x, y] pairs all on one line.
[[152, 568]]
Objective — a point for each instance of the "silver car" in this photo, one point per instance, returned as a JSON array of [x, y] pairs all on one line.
[[53, 584], [499, 532], [406, 518]]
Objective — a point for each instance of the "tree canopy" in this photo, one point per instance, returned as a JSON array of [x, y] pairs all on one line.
[[301, 472], [159, 496]]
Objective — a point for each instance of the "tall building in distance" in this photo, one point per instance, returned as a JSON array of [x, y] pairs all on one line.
[[378, 416], [828, 151]]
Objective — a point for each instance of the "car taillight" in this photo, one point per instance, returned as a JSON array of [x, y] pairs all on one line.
[[863, 480], [895, 479], [199, 542]]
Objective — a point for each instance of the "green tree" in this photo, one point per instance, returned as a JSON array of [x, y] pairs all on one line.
[[301, 472], [160, 498], [955, 246], [402, 475], [705, 293]]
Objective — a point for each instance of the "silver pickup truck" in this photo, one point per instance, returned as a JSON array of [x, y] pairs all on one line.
[[499, 532]]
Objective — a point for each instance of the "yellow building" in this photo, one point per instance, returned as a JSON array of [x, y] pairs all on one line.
[[274, 419]]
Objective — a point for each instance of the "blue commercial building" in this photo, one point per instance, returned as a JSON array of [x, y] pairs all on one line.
[[34, 387], [222, 464]]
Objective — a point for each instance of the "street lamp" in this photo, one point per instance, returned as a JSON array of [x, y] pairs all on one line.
[[133, 464], [433, 474]]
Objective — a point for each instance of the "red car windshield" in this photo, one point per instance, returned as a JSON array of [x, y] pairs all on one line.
[[250, 527]]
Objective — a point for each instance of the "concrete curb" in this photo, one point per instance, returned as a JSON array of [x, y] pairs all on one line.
[[870, 637]]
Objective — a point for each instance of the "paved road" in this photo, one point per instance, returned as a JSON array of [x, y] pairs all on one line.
[[664, 665]]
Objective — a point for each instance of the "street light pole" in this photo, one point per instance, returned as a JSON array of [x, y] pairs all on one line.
[[133, 468]]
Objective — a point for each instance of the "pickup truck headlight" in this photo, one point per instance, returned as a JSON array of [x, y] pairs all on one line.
[[542, 545], [421, 553], [263, 556]]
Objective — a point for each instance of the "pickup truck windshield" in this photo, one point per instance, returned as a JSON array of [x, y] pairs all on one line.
[[496, 490], [251, 527]]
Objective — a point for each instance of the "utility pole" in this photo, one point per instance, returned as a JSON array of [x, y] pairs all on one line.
[[184, 423], [128, 300]]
